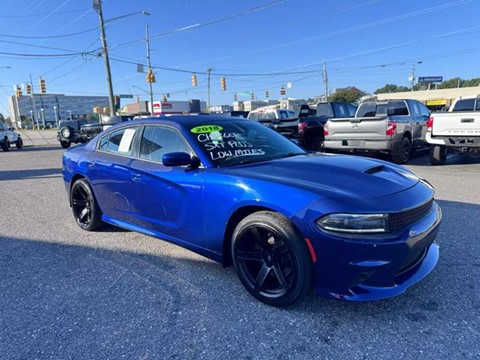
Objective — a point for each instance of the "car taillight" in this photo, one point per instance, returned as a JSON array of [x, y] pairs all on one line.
[[301, 127], [430, 123], [325, 129], [391, 128]]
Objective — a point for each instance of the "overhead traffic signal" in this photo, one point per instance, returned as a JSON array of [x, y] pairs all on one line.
[[43, 89], [267, 93], [28, 89], [164, 98], [150, 78], [223, 83], [18, 91], [194, 79], [253, 95], [283, 91], [235, 97]]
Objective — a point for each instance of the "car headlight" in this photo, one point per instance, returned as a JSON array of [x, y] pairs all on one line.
[[65, 133], [354, 223]]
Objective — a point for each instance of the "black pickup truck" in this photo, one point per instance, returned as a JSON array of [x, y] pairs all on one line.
[[81, 131], [307, 126]]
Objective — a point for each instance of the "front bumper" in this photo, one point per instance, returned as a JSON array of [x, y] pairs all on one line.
[[373, 269]]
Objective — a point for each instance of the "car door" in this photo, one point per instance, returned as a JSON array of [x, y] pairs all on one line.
[[108, 169], [166, 200]]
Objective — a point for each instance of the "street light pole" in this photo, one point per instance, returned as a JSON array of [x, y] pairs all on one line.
[[97, 6], [209, 70], [56, 116]]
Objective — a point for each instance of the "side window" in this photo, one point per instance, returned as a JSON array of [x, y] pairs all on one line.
[[158, 141], [415, 109], [424, 111], [351, 110], [477, 104], [397, 108], [120, 141]]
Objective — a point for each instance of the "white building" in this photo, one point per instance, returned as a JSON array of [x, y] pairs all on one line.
[[46, 109]]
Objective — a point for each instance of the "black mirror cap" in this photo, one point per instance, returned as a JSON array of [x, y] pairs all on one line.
[[180, 159]]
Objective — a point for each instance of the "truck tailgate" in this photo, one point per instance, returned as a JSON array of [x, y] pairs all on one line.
[[357, 128], [456, 124]]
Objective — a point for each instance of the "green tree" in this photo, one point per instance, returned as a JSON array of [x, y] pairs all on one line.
[[391, 88], [349, 95]]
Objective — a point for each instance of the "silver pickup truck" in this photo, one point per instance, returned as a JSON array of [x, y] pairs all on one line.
[[457, 130], [395, 127]]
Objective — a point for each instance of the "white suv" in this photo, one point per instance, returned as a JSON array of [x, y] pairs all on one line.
[[8, 137]]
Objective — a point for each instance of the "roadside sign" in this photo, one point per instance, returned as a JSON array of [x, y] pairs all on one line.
[[430, 79], [126, 96]]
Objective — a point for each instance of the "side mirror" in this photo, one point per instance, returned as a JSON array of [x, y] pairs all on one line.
[[180, 159]]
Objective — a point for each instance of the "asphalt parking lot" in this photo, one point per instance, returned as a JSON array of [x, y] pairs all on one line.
[[68, 294]]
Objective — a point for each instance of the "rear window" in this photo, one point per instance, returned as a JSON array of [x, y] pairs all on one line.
[[392, 108], [464, 105]]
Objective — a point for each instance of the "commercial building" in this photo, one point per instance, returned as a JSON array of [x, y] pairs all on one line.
[[45, 110]]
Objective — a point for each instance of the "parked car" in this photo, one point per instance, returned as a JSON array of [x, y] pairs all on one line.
[[395, 127], [457, 130], [9, 136], [80, 131], [306, 124], [237, 192]]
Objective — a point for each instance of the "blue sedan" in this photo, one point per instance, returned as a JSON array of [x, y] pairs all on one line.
[[239, 193]]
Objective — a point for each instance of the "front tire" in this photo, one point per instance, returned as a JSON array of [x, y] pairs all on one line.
[[5, 144], [401, 154], [65, 144], [438, 154], [85, 209], [271, 259]]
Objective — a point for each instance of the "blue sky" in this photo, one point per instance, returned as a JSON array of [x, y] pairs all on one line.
[[256, 45]]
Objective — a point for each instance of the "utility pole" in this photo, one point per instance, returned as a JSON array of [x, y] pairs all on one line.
[[34, 114], [413, 76], [149, 67], [325, 80], [97, 6], [209, 70]]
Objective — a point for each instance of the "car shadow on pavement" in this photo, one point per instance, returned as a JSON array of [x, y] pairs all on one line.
[[30, 174]]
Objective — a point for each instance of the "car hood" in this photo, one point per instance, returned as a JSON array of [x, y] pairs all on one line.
[[332, 175]]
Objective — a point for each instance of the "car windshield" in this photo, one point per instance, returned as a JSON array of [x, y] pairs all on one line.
[[240, 142]]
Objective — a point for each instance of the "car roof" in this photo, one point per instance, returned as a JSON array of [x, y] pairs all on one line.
[[187, 120]]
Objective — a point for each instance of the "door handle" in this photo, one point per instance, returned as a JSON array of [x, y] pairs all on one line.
[[136, 177], [90, 165]]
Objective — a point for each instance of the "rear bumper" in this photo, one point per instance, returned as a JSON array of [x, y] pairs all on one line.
[[360, 145], [460, 142]]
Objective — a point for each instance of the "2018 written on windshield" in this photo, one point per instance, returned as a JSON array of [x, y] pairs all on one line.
[[221, 146]]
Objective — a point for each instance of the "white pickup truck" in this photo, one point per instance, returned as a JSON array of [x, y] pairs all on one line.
[[455, 130]]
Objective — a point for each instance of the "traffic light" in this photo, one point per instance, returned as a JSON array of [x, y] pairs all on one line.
[[283, 91], [223, 83], [235, 97], [267, 94], [164, 98], [150, 78], [253, 95], [28, 88], [194, 79], [43, 89], [18, 91], [116, 99]]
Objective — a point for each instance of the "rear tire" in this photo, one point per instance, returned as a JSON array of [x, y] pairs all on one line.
[[271, 259], [19, 143], [401, 154], [438, 154]]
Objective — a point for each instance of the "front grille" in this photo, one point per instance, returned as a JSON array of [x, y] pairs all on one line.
[[397, 221]]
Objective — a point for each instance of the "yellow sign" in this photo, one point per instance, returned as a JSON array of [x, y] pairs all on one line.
[[437, 102]]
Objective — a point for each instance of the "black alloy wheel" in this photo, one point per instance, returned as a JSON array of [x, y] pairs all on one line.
[[65, 144], [271, 259], [84, 206]]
